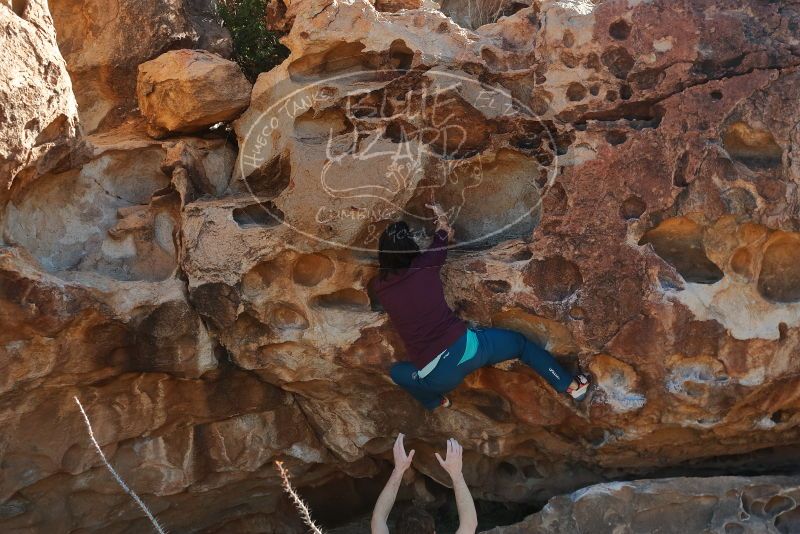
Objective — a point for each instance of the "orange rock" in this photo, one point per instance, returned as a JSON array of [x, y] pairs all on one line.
[[206, 294]]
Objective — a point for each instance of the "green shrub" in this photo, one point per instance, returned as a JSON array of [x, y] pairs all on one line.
[[255, 48]]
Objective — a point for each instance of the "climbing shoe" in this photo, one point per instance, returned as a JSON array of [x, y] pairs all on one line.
[[579, 393], [445, 402]]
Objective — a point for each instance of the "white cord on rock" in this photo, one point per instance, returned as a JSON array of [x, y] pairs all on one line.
[[118, 478]]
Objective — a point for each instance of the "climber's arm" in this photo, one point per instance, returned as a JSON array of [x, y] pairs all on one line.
[[384, 504], [386, 499], [467, 516], [436, 254]]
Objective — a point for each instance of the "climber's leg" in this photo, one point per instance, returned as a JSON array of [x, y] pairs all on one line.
[[404, 375], [497, 345]]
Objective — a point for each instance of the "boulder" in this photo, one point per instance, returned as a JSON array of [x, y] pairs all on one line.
[[38, 113], [671, 506], [190, 90], [103, 46]]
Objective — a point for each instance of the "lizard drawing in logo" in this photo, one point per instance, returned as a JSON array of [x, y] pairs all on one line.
[[399, 152]]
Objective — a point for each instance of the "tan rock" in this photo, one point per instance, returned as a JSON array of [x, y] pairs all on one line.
[[103, 46], [671, 505], [38, 117], [189, 90], [109, 215]]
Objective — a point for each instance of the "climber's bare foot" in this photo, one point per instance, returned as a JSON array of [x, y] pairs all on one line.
[[579, 387]]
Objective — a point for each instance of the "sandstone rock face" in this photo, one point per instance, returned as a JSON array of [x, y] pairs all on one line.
[[720, 505], [623, 188], [38, 115], [188, 90], [104, 44]]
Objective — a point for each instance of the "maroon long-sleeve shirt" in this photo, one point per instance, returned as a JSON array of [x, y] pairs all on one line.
[[414, 300]]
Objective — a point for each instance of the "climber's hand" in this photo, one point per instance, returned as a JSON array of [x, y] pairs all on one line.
[[441, 220], [437, 210], [402, 461], [452, 461]]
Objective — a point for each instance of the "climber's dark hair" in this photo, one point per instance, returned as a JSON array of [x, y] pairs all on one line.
[[396, 249], [415, 520]]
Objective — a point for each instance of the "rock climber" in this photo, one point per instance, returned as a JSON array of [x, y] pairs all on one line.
[[416, 520], [442, 349]]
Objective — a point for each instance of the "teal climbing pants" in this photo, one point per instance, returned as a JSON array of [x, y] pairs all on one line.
[[477, 348]]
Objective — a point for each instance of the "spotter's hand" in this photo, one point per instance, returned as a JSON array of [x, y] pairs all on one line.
[[402, 461]]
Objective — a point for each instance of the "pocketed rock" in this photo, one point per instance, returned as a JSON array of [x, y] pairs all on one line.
[[628, 200]]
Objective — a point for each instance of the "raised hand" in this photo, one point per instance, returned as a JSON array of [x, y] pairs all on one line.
[[437, 210], [402, 461], [383, 507], [441, 219], [452, 461]]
